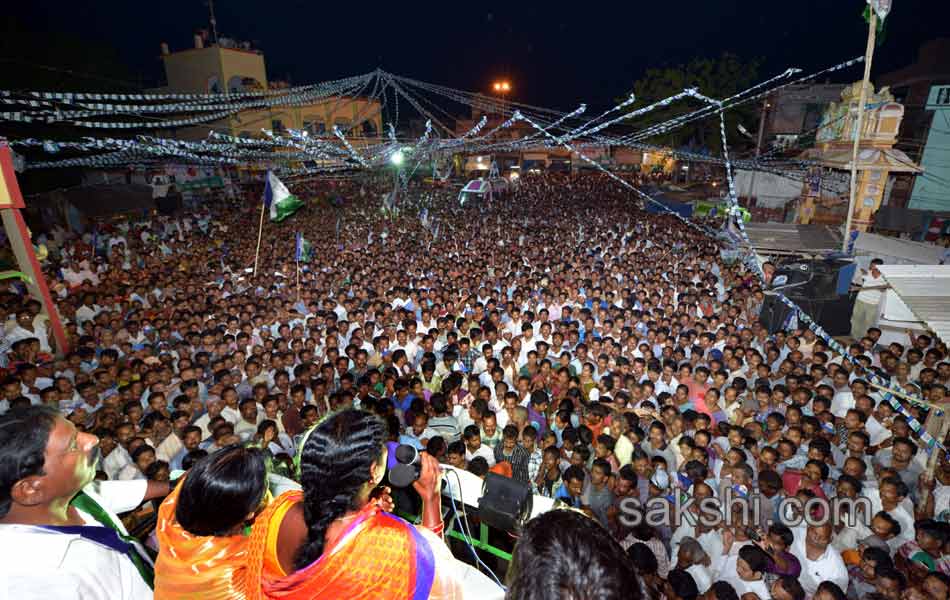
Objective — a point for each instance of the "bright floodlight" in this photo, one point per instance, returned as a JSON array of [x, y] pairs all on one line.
[[397, 158]]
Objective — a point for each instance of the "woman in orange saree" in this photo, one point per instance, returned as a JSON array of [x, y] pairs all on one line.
[[351, 548], [201, 527]]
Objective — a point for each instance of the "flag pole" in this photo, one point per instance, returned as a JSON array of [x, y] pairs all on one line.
[[298, 243], [868, 55], [260, 233]]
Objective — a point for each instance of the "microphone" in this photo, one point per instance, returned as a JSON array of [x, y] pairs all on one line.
[[407, 466]]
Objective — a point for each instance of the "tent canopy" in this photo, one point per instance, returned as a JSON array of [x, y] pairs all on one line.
[[105, 200], [477, 186]]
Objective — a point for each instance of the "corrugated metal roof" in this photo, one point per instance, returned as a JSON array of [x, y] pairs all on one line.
[[925, 289], [898, 250], [793, 238]]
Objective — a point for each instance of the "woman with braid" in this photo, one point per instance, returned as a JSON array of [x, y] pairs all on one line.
[[334, 541]]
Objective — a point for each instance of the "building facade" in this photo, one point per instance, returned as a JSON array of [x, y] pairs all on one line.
[[793, 114], [931, 190], [924, 89], [222, 69]]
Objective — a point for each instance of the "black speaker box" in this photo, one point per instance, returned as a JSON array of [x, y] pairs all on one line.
[[774, 314], [505, 503], [833, 314], [819, 278]]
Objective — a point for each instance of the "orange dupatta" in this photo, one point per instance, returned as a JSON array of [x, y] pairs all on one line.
[[197, 567]]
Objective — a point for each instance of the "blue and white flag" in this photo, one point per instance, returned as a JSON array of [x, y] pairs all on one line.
[[303, 249], [278, 199]]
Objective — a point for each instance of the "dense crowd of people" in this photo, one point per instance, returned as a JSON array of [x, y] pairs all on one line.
[[607, 357]]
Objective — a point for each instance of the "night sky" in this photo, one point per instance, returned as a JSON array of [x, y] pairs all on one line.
[[556, 54]]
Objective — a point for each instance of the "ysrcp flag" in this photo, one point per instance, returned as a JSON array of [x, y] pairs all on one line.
[[881, 7], [278, 199], [303, 249]]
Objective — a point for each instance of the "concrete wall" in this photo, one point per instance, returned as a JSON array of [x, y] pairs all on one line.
[[798, 108], [190, 71], [193, 70], [242, 63], [932, 188]]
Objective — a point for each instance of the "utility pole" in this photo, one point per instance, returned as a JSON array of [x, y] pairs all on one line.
[[859, 120], [758, 146]]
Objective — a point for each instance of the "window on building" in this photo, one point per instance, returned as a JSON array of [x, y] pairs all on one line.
[[943, 96], [342, 123], [369, 129], [315, 127], [242, 83]]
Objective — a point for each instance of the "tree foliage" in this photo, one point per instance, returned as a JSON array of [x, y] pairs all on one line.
[[713, 77]]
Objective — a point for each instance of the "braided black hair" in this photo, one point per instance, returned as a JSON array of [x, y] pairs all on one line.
[[334, 466]]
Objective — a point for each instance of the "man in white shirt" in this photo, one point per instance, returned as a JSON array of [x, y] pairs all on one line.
[[528, 343], [26, 328], [231, 411], [215, 407], [81, 273], [820, 562], [419, 434], [88, 310], [115, 457], [667, 382], [474, 446], [59, 533], [246, 427], [866, 304]]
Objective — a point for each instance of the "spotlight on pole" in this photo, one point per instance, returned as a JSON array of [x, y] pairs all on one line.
[[397, 158]]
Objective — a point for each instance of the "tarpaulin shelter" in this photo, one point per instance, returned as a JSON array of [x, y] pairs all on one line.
[[72, 206]]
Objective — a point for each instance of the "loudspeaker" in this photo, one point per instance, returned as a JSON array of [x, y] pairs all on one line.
[[815, 279], [833, 314], [167, 205], [505, 503], [774, 314]]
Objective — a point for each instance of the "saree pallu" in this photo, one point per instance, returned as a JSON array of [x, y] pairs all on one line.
[[377, 557], [197, 567]]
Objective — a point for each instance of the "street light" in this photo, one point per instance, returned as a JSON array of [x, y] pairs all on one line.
[[397, 158], [502, 88]]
